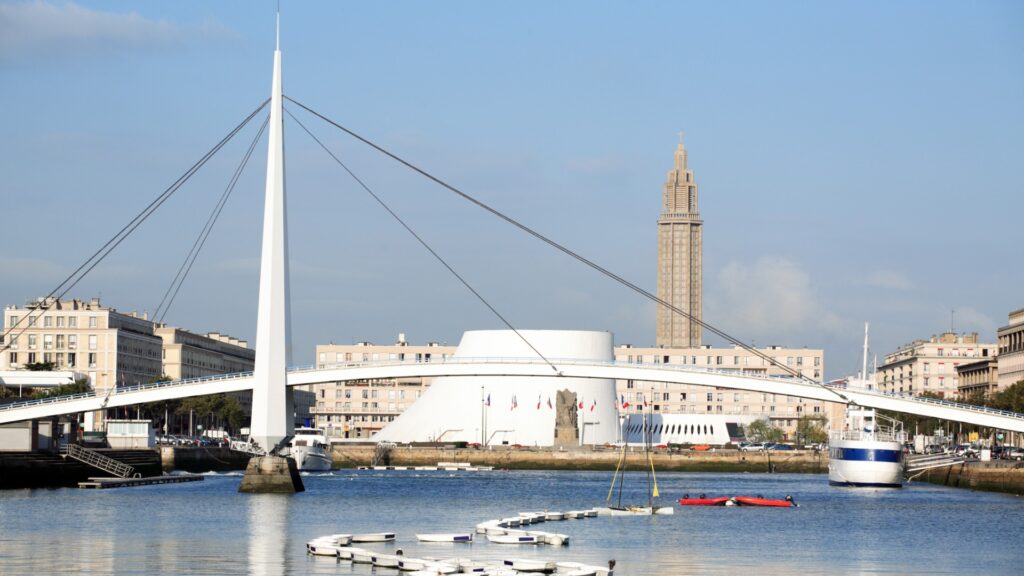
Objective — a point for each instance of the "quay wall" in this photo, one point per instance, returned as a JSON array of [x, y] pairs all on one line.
[[351, 456], [994, 476], [50, 470], [201, 459]]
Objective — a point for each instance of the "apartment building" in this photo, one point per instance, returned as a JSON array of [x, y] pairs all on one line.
[[931, 365]]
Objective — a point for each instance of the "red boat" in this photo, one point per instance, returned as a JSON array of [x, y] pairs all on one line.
[[787, 502], [702, 501]]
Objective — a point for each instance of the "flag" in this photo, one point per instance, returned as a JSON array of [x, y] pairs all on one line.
[[538, 401], [488, 403], [549, 402], [625, 403], [581, 404], [594, 405], [514, 403]]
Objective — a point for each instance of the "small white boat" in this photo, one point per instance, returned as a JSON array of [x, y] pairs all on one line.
[[360, 556], [435, 568], [554, 516], [384, 560], [531, 517], [636, 511], [512, 521], [592, 513], [374, 537], [551, 538], [529, 565], [345, 553], [461, 537], [322, 547], [580, 569], [482, 527], [412, 563], [516, 537], [495, 531]]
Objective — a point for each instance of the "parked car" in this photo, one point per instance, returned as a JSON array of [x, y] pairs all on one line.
[[966, 451], [934, 449], [755, 447], [1013, 453], [781, 446]]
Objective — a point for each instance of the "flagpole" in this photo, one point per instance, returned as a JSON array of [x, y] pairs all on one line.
[[483, 432]]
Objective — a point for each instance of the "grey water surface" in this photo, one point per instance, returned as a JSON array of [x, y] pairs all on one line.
[[209, 528]]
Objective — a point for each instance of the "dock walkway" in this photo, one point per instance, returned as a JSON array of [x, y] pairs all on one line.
[[101, 483]]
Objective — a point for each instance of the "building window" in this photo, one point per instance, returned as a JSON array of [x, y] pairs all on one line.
[[711, 396], [72, 321], [31, 341], [12, 321], [92, 341], [47, 341], [92, 359], [47, 321], [94, 321], [31, 357], [14, 359], [71, 359]]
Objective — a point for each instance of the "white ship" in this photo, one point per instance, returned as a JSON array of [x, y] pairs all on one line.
[[310, 450], [868, 451]]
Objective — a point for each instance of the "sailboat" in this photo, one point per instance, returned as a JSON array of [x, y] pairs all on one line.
[[652, 484]]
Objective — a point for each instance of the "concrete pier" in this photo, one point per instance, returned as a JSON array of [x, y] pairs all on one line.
[[271, 475]]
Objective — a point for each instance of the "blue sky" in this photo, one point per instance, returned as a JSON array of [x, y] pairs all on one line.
[[857, 161]]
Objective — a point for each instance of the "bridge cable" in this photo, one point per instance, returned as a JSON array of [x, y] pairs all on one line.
[[87, 266], [197, 246], [422, 242], [566, 250]]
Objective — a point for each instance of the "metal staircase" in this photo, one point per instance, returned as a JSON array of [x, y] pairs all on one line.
[[100, 461]]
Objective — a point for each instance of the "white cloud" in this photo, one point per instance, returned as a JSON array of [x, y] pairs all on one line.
[[772, 300], [890, 279], [40, 29]]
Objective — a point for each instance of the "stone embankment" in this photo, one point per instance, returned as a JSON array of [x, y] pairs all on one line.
[[351, 456], [994, 476]]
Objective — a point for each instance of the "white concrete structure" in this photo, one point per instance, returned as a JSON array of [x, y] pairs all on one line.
[[521, 410], [713, 429], [271, 407]]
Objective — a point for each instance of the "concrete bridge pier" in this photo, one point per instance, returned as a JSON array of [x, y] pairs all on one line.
[[271, 474]]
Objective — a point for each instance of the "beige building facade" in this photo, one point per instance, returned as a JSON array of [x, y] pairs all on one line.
[[931, 365], [978, 377], [680, 249], [1011, 350], [781, 410], [111, 347], [114, 348], [362, 408]]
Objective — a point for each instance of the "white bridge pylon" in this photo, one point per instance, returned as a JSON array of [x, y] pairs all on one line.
[[470, 367]]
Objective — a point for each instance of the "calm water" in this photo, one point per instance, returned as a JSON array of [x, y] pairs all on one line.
[[208, 528]]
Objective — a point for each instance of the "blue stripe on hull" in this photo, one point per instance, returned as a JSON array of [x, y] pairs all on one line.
[[865, 455], [864, 484]]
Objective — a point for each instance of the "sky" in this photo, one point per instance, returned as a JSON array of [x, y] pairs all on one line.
[[857, 162]]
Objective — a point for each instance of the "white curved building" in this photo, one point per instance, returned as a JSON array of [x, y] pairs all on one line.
[[509, 410]]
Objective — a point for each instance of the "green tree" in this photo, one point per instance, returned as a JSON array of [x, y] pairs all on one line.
[[811, 430], [1011, 398], [764, 431], [40, 366]]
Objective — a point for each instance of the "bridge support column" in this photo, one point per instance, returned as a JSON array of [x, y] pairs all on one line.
[[271, 475]]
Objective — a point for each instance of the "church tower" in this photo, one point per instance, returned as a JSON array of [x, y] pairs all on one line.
[[680, 232]]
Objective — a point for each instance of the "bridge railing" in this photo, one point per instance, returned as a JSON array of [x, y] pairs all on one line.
[[927, 400], [126, 389], [380, 363]]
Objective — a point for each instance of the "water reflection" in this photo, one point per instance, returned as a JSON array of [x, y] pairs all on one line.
[[268, 535]]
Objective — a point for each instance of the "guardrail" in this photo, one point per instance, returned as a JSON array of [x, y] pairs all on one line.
[[927, 400]]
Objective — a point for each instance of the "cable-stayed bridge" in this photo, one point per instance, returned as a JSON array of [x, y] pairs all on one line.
[[529, 367]]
